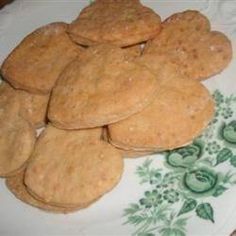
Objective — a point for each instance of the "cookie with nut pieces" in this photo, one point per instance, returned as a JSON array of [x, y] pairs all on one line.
[[118, 22], [35, 64], [100, 87], [72, 168], [181, 110], [188, 41]]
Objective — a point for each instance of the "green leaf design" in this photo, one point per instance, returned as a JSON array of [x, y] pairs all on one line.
[[188, 206], [205, 211], [220, 189], [147, 174], [233, 161], [223, 155], [132, 209], [180, 223], [229, 177], [147, 163], [171, 232], [146, 234], [135, 219]]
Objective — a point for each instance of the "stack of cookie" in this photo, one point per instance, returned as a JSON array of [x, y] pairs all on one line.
[[116, 82]]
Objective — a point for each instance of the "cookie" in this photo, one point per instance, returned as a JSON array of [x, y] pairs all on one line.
[[121, 22], [17, 139], [100, 87], [16, 134], [35, 64], [187, 40], [181, 110], [16, 185], [72, 168]]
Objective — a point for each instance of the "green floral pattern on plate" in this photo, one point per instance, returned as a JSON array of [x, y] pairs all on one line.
[[191, 178]]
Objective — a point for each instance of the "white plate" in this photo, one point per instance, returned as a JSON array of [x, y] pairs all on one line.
[[106, 216]]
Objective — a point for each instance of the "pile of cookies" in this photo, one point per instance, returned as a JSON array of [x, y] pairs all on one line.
[[116, 82]]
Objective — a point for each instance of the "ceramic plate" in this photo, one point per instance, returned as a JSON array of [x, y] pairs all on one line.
[[162, 194]]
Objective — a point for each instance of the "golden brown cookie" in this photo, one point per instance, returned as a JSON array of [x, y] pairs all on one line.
[[16, 134], [16, 185], [187, 40], [100, 87], [181, 110], [35, 64], [119, 22], [17, 139], [72, 168]]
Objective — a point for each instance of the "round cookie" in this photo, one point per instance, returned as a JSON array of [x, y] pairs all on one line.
[[35, 64], [72, 168], [100, 87], [121, 22], [16, 185], [187, 40], [181, 110]]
